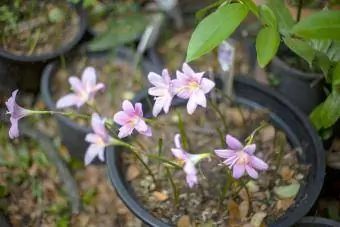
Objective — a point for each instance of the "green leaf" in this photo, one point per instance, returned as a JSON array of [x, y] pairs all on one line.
[[267, 15], [323, 62], [215, 28], [202, 12], [120, 31], [283, 16], [300, 48], [333, 52], [56, 15], [321, 45], [267, 44], [251, 6], [336, 76], [287, 191], [321, 25], [326, 113]]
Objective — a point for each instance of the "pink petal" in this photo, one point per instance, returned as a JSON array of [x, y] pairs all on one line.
[[101, 155], [252, 172], [98, 87], [188, 70], [141, 126], [91, 152], [257, 163], [167, 103], [121, 118], [180, 89], [76, 84], [148, 132], [157, 91], [92, 138], [98, 125], [125, 131], [231, 161], [155, 79], [233, 143], [200, 98], [179, 153], [157, 107], [139, 109], [177, 141], [14, 129], [11, 101], [238, 170], [166, 76], [206, 85], [191, 105], [225, 153], [128, 107], [198, 76], [182, 76], [250, 149], [189, 168], [192, 180], [89, 77], [69, 100]]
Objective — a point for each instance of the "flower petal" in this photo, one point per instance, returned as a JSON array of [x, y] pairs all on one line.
[[91, 152], [128, 107], [187, 70], [177, 141], [166, 76], [233, 143], [155, 79], [192, 180], [14, 129], [157, 107], [101, 155], [167, 103], [139, 109], [179, 153], [76, 84], [11, 101], [157, 91], [206, 85], [238, 170], [257, 163], [92, 138], [191, 105], [141, 126], [200, 98], [252, 172], [89, 78], [99, 86], [125, 131], [69, 100], [250, 149], [148, 132], [225, 153], [121, 118], [98, 125]]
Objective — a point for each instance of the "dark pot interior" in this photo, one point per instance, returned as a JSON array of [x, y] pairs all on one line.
[[72, 134], [316, 222], [285, 116]]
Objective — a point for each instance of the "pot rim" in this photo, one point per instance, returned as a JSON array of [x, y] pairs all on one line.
[[82, 15], [318, 220], [118, 182]]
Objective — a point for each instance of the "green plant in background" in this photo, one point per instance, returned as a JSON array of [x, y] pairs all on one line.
[[316, 39]]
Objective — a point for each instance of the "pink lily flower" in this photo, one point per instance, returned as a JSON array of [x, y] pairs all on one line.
[[131, 118], [161, 91], [84, 90], [241, 158], [191, 85], [98, 140], [16, 112], [189, 161]]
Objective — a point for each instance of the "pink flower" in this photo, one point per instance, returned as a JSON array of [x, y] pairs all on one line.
[[131, 118], [241, 159], [189, 161], [161, 91], [98, 140], [191, 85], [16, 112], [84, 89]]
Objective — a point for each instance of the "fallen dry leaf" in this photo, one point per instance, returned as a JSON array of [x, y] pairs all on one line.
[[184, 221], [160, 196], [284, 204], [244, 209], [257, 219], [243, 194], [234, 213], [267, 133], [132, 172], [286, 173]]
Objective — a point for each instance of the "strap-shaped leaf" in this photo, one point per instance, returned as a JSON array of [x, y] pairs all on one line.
[[267, 44], [284, 17], [267, 15]]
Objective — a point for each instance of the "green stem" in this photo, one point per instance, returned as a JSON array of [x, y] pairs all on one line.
[[60, 113], [160, 148], [250, 138], [35, 42], [171, 163], [184, 139], [62, 61], [220, 115], [298, 13], [279, 145], [174, 188]]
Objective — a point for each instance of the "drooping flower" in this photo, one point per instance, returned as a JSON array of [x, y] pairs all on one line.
[[188, 160], [225, 55], [241, 158], [84, 90], [98, 140], [192, 86], [131, 118], [17, 112], [161, 91]]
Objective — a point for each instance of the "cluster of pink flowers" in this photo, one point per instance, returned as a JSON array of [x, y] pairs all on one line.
[[188, 85]]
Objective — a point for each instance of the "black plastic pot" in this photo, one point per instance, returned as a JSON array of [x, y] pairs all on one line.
[[4, 221], [72, 134], [24, 72], [317, 222], [285, 116], [296, 86]]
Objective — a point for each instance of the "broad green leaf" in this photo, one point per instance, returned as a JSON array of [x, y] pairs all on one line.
[[321, 25], [267, 15], [326, 113], [300, 48], [215, 28], [120, 31], [284, 18], [251, 6], [287, 191], [321, 45], [267, 44], [323, 62], [336, 77], [333, 52]]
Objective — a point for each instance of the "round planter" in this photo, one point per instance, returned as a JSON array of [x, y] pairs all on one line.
[[317, 222], [25, 71], [295, 85], [285, 116], [4, 221], [73, 134]]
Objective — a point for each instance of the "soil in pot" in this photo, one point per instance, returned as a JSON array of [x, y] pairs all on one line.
[[32, 28], [122, 81], [173, 47], [246, 201]]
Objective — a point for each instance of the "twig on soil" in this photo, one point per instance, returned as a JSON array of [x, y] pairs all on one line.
[[69, 183]]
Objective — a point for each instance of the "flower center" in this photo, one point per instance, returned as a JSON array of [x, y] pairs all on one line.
[[193, 85], [134, 120], [243, 157]]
